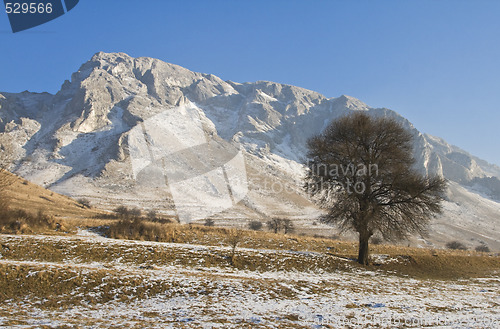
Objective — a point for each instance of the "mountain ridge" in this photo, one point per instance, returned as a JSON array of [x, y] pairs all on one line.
[[77, 141]]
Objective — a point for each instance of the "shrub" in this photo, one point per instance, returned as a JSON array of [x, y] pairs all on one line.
[[376, 240], [122, 211], [163, 220], [275, 224], [106, 216], [21, 221], [483, 248], [255, 225], [84, 202], [137, 229], [456, 245], [152, 215], [278, 224], [135, 212], [209, 222]]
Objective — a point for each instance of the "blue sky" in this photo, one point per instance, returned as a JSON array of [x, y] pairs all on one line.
[[435, 62]]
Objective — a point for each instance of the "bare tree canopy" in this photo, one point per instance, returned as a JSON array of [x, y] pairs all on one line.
[[361, 170]]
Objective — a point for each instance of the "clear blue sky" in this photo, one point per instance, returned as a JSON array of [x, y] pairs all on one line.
[[435, 62]]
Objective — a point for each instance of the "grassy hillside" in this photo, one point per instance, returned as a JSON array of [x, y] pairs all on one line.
[[27, 208], [22, 194]]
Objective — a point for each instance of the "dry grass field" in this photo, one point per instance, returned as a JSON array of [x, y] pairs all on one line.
[[21, 194]]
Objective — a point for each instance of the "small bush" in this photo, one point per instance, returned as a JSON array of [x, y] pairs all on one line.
[[106, 216], [22, 222], [483, 248], [122, 211], [255, 225], [275, 224], [456, 245], [281, 224], [376, 240], [84, 202], [152, 215], [137, 229], [209, 222], [163, 220], [135, 212]]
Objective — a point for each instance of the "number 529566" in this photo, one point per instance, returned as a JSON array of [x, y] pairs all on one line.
[[25, 8]]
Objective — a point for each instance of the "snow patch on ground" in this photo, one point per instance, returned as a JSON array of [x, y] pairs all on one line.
[[209, 297]]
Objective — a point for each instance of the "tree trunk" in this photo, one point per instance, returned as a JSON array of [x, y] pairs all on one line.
[[364, 251]]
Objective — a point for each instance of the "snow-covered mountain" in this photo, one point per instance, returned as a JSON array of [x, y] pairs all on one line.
[[85, 141]]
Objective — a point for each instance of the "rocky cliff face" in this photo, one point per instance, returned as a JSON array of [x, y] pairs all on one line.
[[79, 141]]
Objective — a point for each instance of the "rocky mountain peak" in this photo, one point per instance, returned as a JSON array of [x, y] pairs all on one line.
[[351, 103], [77, 142]]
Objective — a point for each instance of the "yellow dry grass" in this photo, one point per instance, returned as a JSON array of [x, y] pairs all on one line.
[[24, 195], [407, 261]]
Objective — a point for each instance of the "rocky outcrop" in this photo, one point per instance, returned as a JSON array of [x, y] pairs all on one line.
[[77, 141]]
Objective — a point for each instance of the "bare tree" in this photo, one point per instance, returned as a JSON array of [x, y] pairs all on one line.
[[361, 169], [281, 224], [235, 237], [275, 224], [122, 211]]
